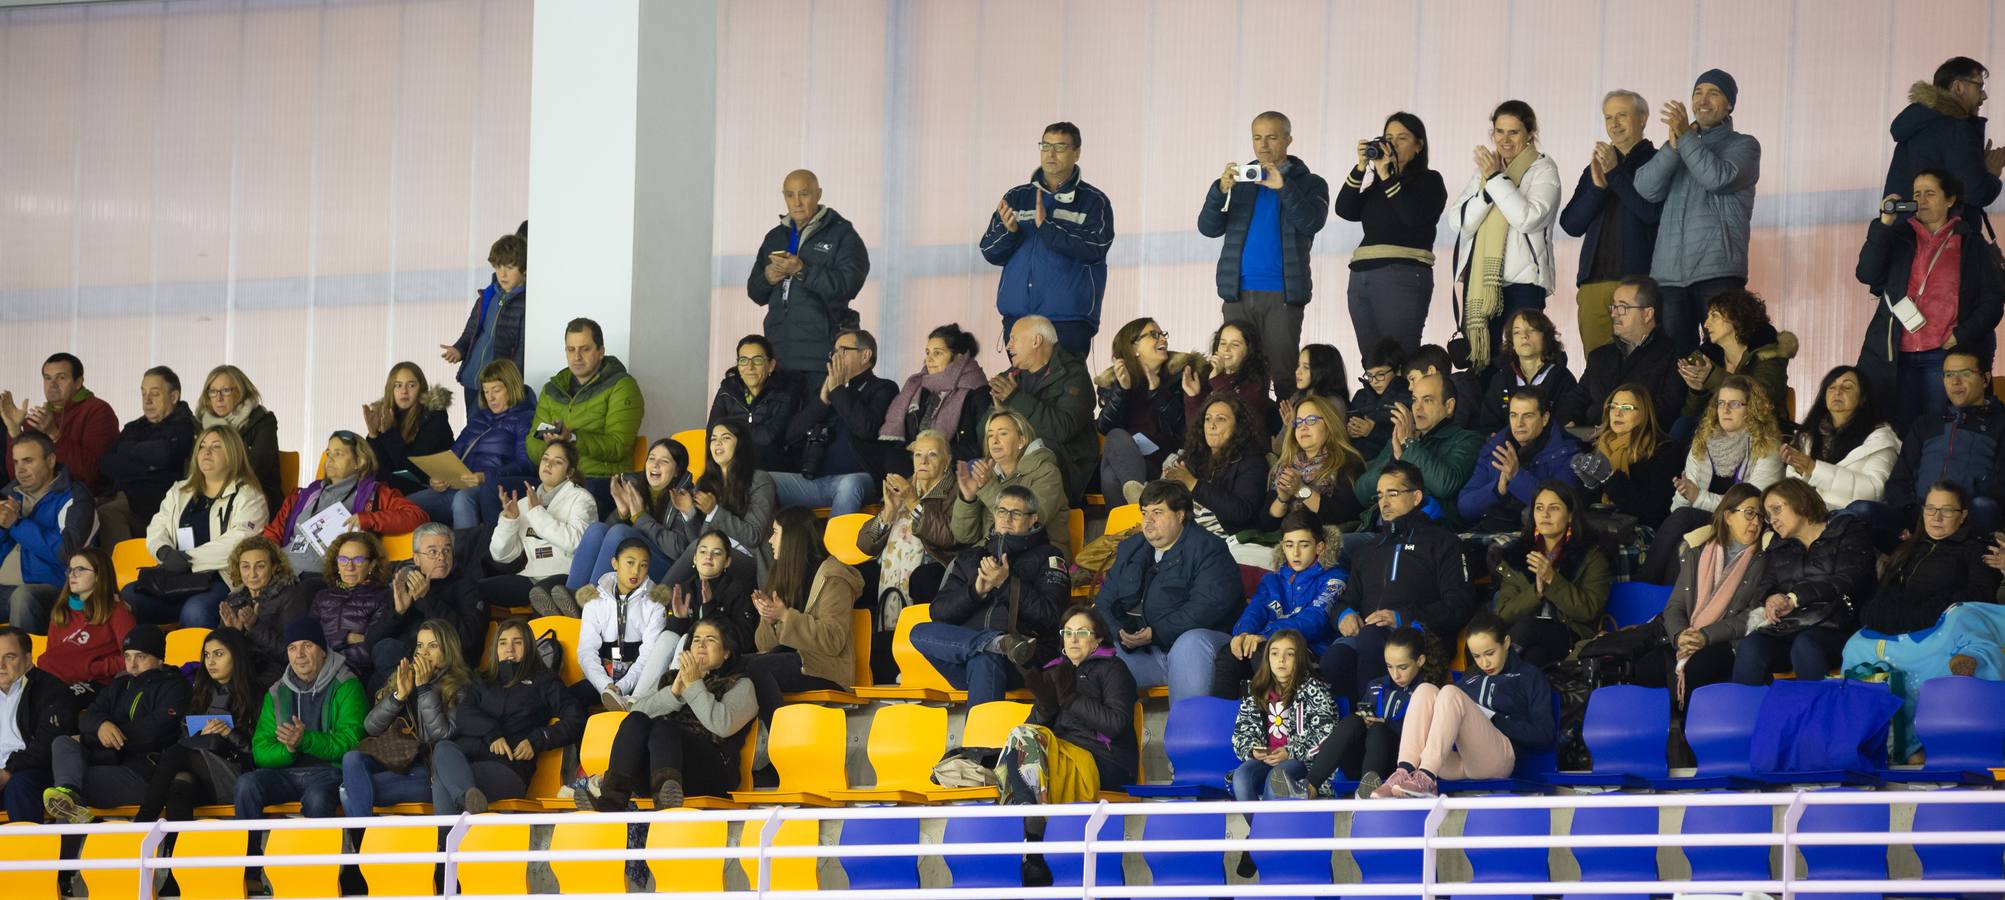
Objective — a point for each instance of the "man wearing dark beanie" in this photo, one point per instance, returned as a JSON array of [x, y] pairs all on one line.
[[121, 735], [1704, 175], [311, 716]]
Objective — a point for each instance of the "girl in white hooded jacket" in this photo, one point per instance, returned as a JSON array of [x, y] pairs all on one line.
[[623, 636], [1503, 224], [544, 523]]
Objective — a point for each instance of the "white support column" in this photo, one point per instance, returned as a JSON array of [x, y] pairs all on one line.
[[623, 109]]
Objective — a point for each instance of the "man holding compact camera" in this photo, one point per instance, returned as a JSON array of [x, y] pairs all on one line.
[[1268, 211], [807, 270], [1939, 291], [1050, 236]]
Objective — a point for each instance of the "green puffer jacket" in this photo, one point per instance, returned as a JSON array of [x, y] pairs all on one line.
[[604, 415], [338, 727]]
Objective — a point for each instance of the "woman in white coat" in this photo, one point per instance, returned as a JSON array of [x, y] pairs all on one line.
[[544, 523], [200, 521], [1845, 449], [1503, 222]]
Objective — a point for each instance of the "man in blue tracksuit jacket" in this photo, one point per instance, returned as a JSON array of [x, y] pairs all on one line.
[[1170, 589], [1531, 450], [44, 517], [1051, 237]]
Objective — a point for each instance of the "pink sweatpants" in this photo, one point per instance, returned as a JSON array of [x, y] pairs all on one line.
[[1446, 733]]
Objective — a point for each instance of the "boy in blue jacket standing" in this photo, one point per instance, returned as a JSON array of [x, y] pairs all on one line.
[[1298, 596], [1051, 236]]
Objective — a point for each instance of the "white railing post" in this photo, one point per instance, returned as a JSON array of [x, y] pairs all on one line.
[[449, 886], [767, 833], [1087, 857], [1429, 854], [148, 846], [1791, 817]]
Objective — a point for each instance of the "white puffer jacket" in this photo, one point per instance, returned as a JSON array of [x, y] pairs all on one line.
[[1530, 208], [1862, 474], [244, 505], [549, 533]]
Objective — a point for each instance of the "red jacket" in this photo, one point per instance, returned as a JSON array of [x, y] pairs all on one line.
[[79, 651], [89, 429], [387, 513]]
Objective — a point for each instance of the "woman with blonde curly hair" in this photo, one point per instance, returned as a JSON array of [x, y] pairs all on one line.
[[1738, 441]]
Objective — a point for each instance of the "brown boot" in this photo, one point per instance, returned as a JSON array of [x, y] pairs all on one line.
[[667, 788], [616, 792], [1962, 665]]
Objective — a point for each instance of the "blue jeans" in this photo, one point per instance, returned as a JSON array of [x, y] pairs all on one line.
[[594, 556], [1075, 335], [198, 611], [1249, 781], [1812, 654], [1918, 388], [842, 494], [1186, 667], [1352, 662], [962, 655], [28, 605], [365, 783], [1389, 301], [316, 788], [23, 795]]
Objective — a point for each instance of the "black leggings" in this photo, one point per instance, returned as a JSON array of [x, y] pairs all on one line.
[[777, 672], [1356, 747], [183, 779], [647, 751], [1711, 665]]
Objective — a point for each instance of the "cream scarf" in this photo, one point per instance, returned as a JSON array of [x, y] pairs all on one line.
[[1484, 298]]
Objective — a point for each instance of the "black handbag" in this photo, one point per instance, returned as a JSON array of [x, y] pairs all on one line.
[[174, 585]]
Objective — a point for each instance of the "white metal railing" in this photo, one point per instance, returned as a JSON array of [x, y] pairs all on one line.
[[757, 856]]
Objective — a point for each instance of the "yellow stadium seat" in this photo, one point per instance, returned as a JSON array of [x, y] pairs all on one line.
[[859, 641], [687, 875], [184, 645], [906, 740], [129, 557], [399, 879], [1789, 401], [640, 452], [40, 884], [804, 740], [36, 644], [1075, 527], [488, 833], [210, 883], [544, 783], [598, 876], [794, 873], [309, 880], [1998, 386], [397, 547], [1122, 518], [111, 882], [566, 630], [595, 751], [288, 470], [697, 443], [840, 538], [987, 725], [917, 678]]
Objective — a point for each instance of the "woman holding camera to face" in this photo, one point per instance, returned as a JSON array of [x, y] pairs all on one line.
[[1503, 252], [1392, 270]]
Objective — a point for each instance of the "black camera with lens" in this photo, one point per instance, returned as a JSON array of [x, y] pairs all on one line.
[[1378, 148]]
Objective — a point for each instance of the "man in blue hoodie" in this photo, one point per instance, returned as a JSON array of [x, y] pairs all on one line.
[[1269, 226], [44, 517], [1940, 129], [1170, 596], [1531, 449], [1050, 236]]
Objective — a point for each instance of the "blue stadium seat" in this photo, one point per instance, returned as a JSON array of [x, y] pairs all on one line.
[[1728, 863], [1185, 868], [1614, 863], [1066, 867], [1972, 861], [1635, 602], [1198, 741], [1387, 866], [1508, 863], [1624, 728], [1002, 870], [880, 872], [1293, 866], [1957, 720], [1845, 861], [1719, 724]]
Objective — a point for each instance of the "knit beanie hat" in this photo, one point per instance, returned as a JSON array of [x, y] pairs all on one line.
[[305, 628], [147, 639], [1720, 79]]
